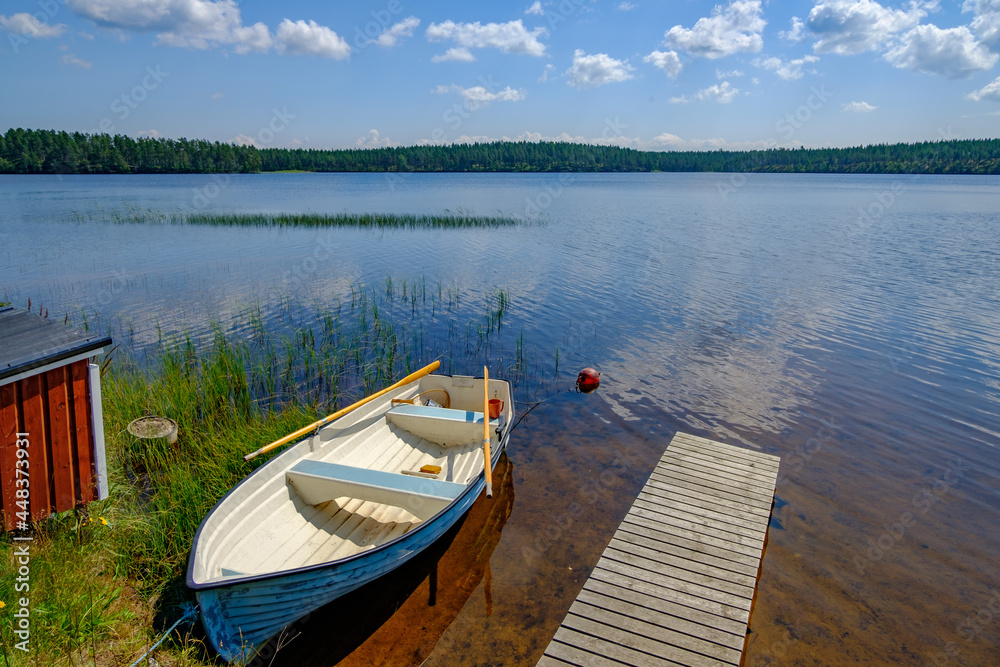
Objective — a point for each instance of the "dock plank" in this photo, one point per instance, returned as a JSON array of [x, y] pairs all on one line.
[[719, 475], [680, 562], [700, 517], [675, 585], [649, 629], [697, 499], [664, 543]]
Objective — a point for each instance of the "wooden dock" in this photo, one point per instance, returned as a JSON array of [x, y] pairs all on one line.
[[676, 584]]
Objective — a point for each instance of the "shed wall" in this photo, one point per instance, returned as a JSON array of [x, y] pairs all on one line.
[[53, 408]]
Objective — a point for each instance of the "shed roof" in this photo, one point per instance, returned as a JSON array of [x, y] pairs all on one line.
[[29, 342]]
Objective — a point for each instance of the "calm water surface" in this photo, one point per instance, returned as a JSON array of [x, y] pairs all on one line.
[[849, 324]]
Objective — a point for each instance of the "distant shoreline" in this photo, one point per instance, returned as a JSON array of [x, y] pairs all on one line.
[[50, 152]]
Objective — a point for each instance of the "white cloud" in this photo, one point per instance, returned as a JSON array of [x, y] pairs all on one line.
[[71, 59], [735, 73], [205, 24], [665, 60], [196, 24], [797, 33], [458, 53], [672, 142], [26, 25], [243, 140], [950, 52], [86, 35], [722, 93], [510, 37], [255, 37], [152, 134], [853, 26], [596, 70], [149, 14], [218, 96], [372, 140], [728, 30], [479, 97], [858, 107], [310, 39], [986, 22], [546, 73], [787, 70], [990, 91], [535, 8], [392, 36], [626, 6]]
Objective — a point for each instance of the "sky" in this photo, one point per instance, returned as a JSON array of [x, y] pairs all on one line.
[[649, 75]]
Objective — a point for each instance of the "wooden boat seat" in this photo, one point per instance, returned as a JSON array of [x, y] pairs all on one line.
[[318, 482], [442, 426]]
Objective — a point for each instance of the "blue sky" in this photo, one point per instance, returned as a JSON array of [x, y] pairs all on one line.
[[649, 75]]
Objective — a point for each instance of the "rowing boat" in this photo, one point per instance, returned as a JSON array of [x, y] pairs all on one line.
[[351, 501]]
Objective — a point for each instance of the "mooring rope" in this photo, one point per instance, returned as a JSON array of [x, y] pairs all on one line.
[[535, 404], [191, 612]]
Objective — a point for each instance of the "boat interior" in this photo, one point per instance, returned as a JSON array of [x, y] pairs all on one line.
[[359, 482]]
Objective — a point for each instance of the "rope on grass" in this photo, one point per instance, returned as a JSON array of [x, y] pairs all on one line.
[[191, 612]]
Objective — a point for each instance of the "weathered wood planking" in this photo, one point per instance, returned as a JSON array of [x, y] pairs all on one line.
[[676, 584], [53, 408]]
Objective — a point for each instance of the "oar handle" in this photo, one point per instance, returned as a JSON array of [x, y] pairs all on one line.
[[416, 375], [486, 432]]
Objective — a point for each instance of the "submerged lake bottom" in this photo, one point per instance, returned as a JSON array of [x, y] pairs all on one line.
[[848, 324]]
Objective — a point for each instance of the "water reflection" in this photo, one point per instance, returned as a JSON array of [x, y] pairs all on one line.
[[399, 618], [865, 352]]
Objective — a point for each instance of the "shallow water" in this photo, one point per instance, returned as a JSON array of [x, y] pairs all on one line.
[[848, 324]]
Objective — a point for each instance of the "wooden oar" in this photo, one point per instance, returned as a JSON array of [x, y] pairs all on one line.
[[426, 370], [486, 431]]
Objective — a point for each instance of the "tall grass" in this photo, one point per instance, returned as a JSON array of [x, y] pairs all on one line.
[[460, 219]]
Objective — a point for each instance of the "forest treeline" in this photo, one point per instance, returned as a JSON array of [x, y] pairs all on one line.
[[50, 152]]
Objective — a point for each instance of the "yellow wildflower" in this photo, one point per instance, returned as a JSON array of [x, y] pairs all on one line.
[[2, 604], [103, 520]]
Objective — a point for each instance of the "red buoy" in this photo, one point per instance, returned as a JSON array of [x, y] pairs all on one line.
[[588, 380]]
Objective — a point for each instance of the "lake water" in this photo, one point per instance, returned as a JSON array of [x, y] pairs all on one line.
[[849, 324]]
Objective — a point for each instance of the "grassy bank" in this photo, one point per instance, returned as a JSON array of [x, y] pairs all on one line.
[[107, 582]]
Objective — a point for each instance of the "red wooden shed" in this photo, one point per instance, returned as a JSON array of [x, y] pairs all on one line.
[[51, 424]]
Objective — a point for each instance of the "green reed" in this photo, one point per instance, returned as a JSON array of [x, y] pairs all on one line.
[[461, 219]]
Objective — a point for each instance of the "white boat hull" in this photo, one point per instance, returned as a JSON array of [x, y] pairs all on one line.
[[243, 609]]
